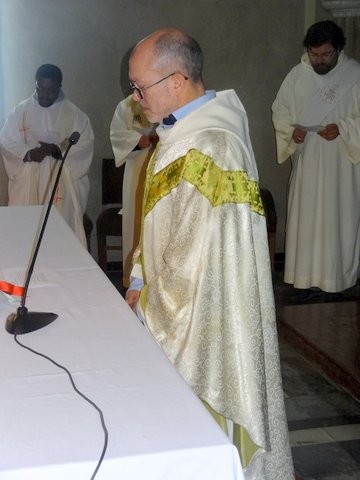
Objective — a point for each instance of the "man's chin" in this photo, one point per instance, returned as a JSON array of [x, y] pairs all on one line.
[[322, 70], [150, 116], [45, 104]]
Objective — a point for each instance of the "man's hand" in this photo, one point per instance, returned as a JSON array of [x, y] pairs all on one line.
[[50, 150], [147, 140], [298, 135], [132, 297], [144, 141], [45, 150], [154, 139], [330, 132]]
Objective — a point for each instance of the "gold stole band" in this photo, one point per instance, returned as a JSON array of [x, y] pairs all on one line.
[[217, 185]]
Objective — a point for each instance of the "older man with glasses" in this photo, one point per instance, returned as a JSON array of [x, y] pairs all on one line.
[[202, 282], [316, 115]]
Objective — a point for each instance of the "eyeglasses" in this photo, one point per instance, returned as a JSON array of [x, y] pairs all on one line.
[[322, 56], [140, 91]]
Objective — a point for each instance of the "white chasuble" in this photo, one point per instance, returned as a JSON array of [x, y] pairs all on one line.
[[208, 295]]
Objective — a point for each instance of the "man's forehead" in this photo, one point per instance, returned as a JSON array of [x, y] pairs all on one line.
[[320, 48], [142, 69], [47, 81], [141, 56]]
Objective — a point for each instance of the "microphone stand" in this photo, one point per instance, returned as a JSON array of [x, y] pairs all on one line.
[[23, 321]]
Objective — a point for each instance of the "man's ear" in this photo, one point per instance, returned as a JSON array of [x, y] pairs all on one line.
[[178, 82]]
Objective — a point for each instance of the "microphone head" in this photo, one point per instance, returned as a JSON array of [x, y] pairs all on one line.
[[74, 138]]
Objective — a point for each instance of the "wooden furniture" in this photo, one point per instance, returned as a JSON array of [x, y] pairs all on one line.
[[271, 222], [88, 227], [109, 222]]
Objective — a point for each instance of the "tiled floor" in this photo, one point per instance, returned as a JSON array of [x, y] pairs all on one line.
[[324, 422], [320, 358], [320, 348]]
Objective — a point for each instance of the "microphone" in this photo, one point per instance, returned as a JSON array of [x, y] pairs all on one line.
[[73, 139], [23, 321]]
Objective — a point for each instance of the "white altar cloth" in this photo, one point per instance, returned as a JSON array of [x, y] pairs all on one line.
[[158, 428]]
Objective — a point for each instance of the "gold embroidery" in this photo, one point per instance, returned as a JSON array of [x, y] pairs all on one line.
[[217, 185]]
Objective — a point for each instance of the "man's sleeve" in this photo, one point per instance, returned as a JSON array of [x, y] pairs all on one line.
[[282, 120], [123, 138], [349, 129], [81, 154], [13, 148]]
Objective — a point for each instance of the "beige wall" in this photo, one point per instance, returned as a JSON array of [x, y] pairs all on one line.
[[249, 45]]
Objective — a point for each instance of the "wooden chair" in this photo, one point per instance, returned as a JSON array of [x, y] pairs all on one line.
[[109, 222], [271, 222], [88, 227]]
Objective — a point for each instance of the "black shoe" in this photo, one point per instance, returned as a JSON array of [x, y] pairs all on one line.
[[308, 295]]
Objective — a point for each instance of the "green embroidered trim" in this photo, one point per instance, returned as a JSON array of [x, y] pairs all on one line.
[[217, 185]]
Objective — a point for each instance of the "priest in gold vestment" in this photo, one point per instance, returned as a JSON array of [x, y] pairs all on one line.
[[201, 281]]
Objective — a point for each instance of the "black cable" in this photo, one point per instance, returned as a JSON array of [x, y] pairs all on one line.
[[106, 434]]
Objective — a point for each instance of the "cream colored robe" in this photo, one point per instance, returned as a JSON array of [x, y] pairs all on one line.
[[323, 221], [208, 295], [29, 182], [127, 127]]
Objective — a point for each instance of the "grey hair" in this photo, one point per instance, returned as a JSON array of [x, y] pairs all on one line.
[[182, 52]]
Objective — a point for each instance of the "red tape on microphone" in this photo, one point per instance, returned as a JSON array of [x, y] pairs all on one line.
[[11, 289]]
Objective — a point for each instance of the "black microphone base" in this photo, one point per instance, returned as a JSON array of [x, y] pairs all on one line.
[[24, 322]]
